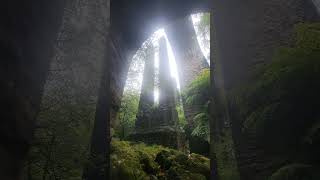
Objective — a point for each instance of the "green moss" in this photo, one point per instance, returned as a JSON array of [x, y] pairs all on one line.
[[281, 104], [307, 36], [197, 95], [132, 161], [225, 157], [198, 91]]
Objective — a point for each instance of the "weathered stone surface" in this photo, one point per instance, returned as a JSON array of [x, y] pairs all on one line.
[[78, 75], [167, 89], [28, 31], [145, 111], [189, 57], [247, 33], [158, 125]]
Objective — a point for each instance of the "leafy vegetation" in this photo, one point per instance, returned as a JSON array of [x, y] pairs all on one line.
[[281, 106], [197, 94], [133, 161], [286, 93], [127, 114]]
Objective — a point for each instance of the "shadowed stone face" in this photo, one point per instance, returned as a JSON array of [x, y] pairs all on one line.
[[146, 98]]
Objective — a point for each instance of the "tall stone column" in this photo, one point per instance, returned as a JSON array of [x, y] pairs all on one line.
[[189, 58], [191, 62], [167, 97], [147, 94], [158, 125], [187, 51], [28, 33]]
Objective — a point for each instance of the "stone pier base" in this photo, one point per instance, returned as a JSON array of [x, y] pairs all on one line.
[[167, 137]]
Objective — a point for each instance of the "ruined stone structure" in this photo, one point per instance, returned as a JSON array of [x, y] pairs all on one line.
[[189, 57], [246, 34], [146, 103], [167, 89], [157, 125]]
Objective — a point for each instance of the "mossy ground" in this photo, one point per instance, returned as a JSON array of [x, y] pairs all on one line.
[[137, 161]]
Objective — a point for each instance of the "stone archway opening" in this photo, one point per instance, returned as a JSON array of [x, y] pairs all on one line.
[[152, 90]]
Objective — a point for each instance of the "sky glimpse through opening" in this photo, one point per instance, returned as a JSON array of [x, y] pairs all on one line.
[[134, 78]]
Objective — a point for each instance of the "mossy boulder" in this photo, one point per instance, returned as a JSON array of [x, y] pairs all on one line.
[[135, 161]]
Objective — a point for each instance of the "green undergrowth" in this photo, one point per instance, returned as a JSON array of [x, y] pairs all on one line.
[[137, 161], [282, 103], [197, 95]]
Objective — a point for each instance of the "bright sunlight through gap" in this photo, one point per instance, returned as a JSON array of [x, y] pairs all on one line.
[[136, 68]]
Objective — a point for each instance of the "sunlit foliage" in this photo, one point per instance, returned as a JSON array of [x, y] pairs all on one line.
[[197, 94], [127, 114]]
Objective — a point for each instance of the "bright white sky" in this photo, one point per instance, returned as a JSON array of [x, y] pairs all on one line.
[[173, 67], [205, 50]]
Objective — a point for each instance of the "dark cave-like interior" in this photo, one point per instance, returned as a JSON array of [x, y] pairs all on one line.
[[65, 64]]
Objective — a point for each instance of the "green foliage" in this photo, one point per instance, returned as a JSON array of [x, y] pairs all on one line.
[[202, 126], [198, 91], [127, 114], [197, 94], [132, 161], [281, 106], [181, 117]]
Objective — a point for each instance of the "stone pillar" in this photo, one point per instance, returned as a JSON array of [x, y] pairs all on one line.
[[28, 33], [187, 51], [158, 126], [247, 35], [189, 58], [147, 95], [167, 88]]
